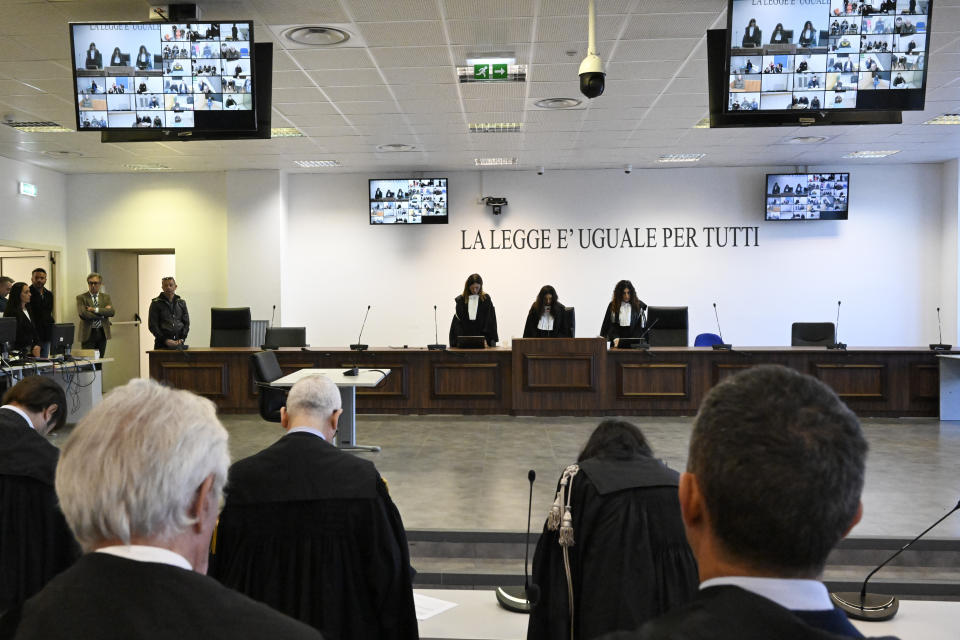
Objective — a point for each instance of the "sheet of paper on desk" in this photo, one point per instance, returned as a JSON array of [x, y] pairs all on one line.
[[428, 607]]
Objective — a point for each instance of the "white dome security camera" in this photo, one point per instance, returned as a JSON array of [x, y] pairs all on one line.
[[540, 171], [628, 169], [592, 76]]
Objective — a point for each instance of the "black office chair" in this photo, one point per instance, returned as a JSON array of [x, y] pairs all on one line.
[[230, 327], [285, 337], [571, 318], [671, 328], [812, 334], [266, 369]]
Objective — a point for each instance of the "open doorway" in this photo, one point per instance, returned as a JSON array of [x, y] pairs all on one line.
[[19, 263]]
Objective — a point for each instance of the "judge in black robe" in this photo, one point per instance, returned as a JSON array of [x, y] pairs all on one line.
[[35, 541], [547, 309], [112, 598], [624, 315], [311, 531], [483, 322], [731, 613], [630, 561]]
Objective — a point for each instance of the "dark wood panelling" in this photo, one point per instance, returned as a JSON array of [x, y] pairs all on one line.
[[667, 380], [456, 380], [854, 381], [925, 382], [559, 373], [209, 380]]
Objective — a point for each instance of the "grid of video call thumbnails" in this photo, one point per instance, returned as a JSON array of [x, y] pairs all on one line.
[[407, 201], [815, 55], [817, 196], [157, 75]]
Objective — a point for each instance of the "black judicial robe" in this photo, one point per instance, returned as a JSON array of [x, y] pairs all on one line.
[[485, 325], [311, 531], [35, 541], [731, 613], [560, 328], [630, 561], [611, 329], [110, 598]]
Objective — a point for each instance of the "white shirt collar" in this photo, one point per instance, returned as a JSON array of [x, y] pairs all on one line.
[[147, 553], [795, 595], [315, 432], [625, 311], [473, 301], [22, 413]]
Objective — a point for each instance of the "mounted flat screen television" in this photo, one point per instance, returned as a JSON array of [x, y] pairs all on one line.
[[164, 76], [409, 201], [807, 196], [826, 55]]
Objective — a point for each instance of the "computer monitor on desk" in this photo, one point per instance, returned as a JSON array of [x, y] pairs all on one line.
[[8, 335], [671, 328], [61, 338]]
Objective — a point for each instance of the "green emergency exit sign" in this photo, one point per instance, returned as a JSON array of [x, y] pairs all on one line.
[[496, 71]]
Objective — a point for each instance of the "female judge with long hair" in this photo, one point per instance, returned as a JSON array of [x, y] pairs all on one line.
[[547, 317], [27, 341], [624, 315], [475, 314]]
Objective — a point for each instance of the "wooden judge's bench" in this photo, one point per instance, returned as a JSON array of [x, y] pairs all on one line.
[[577, 376]]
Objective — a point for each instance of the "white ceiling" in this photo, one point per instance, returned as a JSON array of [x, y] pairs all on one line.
[[400, 86]]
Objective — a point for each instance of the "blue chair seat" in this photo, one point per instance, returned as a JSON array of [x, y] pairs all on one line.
[[707, 340]]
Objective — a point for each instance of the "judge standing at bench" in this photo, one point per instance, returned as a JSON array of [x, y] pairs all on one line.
[[624, 315], [475, 314], [547, 317], [95, 310]]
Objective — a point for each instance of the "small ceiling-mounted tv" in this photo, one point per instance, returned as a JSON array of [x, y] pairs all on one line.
[[807, 196], [409, 201]]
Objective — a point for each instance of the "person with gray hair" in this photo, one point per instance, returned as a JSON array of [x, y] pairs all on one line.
[[140, 481], [311, 530]]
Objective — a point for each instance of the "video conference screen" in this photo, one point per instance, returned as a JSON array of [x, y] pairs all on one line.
[[164, 75], [409, 201], [807, 196], [827, 54]]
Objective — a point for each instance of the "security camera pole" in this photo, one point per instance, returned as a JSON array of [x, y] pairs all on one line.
[[591, 69]]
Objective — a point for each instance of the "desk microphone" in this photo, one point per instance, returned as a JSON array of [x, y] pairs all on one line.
[[436, 338], [723, 346], [642, 342], [842, 346], [940, 346], [272, 313], [358, 346], [877, 607], [522, 599]]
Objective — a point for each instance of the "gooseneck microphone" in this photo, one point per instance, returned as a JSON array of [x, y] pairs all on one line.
[[723, 346], [272, 314], [436, 346], [877, 607], [522, 599], [358, 346], [842, 346], [940, 346]]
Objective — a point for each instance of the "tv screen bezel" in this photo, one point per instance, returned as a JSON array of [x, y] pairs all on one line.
[[766, 180], [429, 219], [248, 124], [915, 99]]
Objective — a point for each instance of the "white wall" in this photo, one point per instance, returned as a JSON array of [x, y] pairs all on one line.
[[884, 262], [950, 278]]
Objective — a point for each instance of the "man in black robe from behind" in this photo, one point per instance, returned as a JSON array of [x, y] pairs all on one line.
[[629, 561], [773, 482], [35, 542], [311, 530], [139, 481]]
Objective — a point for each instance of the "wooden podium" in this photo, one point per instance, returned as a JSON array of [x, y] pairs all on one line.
[[558, 375]]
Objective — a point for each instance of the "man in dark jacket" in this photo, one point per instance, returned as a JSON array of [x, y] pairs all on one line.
[[169, 320], [40, 307], [35, 542], [5, 283], [311, 530]]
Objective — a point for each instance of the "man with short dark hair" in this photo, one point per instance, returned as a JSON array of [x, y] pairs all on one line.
[[95, 309], [35, 542], [41, 308], [773, 482], [5, 283], [311, 530], [168, 319], [140, 480]]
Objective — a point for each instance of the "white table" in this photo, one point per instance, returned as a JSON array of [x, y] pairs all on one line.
[[347, 429], [477, 616], [949, 387], [82, 380]]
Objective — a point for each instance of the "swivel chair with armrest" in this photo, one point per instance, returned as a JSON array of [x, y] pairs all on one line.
[[230, 327], [571, 321], [812, 334], [266, 369], [285, 337]]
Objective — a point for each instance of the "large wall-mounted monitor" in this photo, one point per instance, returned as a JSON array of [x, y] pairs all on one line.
[[807, 196], [409, 201], [164, 76], [826, 55]]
